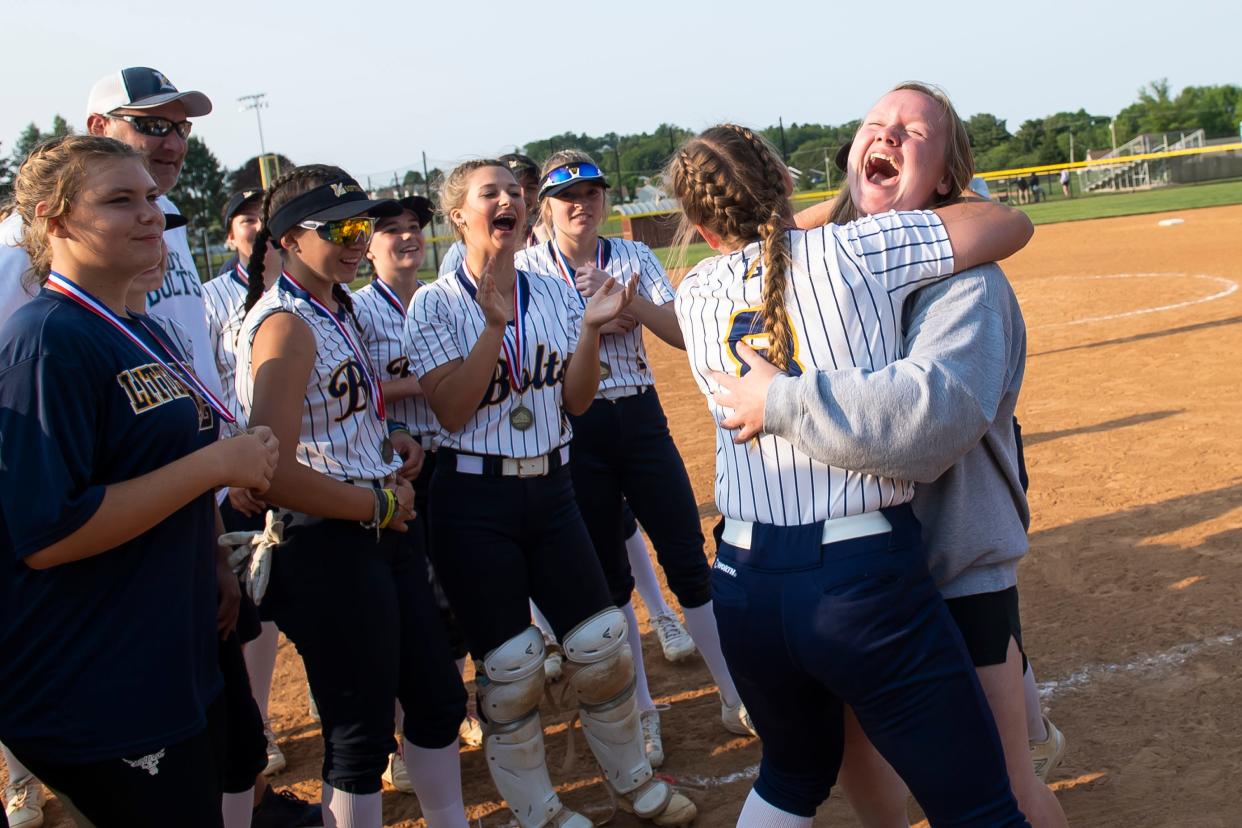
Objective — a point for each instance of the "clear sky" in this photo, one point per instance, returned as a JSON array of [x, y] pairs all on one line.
[[369, 86]]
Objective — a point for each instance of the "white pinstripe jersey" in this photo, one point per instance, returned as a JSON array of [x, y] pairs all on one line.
[[445, 322], [225, 297], [382, 318], [340, 434], [844, 294], [622, 353]]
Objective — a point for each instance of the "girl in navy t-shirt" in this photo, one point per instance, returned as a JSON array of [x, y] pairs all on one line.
[[108, 458]]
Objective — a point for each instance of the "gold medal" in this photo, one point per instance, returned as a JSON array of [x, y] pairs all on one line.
[[605, 370], [521, 418]]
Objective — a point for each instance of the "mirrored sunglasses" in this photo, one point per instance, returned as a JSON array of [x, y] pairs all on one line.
[[570, 172], [344, 231]]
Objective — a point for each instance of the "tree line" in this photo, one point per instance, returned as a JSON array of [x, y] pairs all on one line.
[[630, 160]]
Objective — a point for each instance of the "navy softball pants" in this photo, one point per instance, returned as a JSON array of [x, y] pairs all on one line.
[[361, 615], [807, 628], [498, 542], [623, 449]]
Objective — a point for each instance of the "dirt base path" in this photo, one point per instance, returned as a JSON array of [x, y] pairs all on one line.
[[1130, 410]]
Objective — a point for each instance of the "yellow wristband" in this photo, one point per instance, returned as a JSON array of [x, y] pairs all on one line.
[[390, 508]]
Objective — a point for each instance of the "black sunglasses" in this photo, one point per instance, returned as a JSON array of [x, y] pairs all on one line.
[[155, 126]]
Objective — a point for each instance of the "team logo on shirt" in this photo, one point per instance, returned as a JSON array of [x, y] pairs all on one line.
[[549, 371], [399, 367], [149, 386], [746, 325], [349, 385]]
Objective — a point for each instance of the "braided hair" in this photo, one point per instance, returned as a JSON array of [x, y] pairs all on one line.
[[284, 189], [731, 181]]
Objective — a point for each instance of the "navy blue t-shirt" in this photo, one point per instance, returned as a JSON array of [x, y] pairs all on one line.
[[114, 655]]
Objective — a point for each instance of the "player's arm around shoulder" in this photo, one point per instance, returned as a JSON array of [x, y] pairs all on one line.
[[983, 231]]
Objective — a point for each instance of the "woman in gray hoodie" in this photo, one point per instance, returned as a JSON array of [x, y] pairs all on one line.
[[944, 417]]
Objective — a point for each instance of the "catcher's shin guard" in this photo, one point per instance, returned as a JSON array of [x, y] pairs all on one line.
[[600, 677], [509, 687]]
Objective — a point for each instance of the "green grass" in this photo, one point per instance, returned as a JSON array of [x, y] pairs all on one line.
[[1083, 208], [1164, 199]]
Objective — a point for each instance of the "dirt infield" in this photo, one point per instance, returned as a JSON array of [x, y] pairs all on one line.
[[1129, 596]]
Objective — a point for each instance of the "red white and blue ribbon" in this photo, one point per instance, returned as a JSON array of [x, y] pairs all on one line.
[[240, 275], [364, 364], [514, 342], [390, 296], [59, 284], [567, 268]]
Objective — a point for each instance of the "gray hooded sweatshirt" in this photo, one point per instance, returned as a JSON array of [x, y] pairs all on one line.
[[941, 416]]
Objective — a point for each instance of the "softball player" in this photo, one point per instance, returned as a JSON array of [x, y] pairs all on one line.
[[225, 298], [623, 452], [109, 460], [820, 583], [346, 592], [396, 253], [965, 350], [502, 355]]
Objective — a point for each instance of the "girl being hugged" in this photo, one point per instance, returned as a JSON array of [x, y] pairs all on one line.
[[623, 451], [821, 585], [349, 592], [503, 356], [110, 689]]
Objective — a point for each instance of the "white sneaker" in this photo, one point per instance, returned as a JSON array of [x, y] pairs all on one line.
[[24, 803], [1046, 755], [275, 756], [653, 740], [736, 720], [674, 640], [396, 775], [470, 731]]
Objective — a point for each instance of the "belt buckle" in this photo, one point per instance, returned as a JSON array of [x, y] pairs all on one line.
[[532, 466]]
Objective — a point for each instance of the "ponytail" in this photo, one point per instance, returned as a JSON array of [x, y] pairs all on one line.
[[729, 180], [775, 269], [255, 267]]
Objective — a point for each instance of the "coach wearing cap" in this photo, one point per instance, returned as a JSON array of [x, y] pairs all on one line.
[[139, 107]]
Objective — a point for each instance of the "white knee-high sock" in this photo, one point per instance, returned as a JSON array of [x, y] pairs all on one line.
[[1035, 729], [701, 624], [540, 621], [237, 809], [347, 810], [758, 813], [436, 777], [645, 579], [260, 656], [16, 769], [642, 694]]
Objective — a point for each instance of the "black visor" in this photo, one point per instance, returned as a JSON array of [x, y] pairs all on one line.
[[328, 202]]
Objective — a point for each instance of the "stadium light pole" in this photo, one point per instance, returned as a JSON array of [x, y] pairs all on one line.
[[256, 103]]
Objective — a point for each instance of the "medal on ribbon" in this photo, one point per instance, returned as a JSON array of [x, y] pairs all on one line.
[[80, 296]]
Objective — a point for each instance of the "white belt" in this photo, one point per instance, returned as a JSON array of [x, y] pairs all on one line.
[[737, 532], [513, 466], [620, 392]]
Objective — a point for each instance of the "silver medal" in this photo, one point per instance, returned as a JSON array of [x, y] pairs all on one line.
[[521, 418], [386, 450]]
